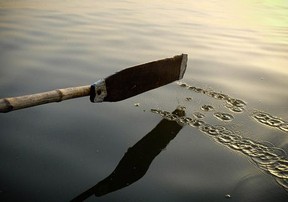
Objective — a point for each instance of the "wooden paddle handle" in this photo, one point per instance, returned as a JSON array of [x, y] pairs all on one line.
[[14, 103]]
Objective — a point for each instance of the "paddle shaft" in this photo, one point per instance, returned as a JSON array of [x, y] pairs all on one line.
[[15, 103], [116, 87]]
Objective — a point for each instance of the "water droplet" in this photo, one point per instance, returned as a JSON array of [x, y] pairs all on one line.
[[260, 115], [182, 84], [219, 96], [164, 113], [274, 122], [181, 108], [191, 88], [183, 120], [234, 108], [284, 127], [270, 120], [171, 117], [279, 169], [207, 108], [137, 104], [223, 116], [227, 196], [196, 123], [236, 102], [265, 158], [198, 115], [209, 129], [227, 139], [156, 111], [213, 131], [198, 90]]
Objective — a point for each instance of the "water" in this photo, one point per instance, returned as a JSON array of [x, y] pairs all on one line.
[[237, 66]]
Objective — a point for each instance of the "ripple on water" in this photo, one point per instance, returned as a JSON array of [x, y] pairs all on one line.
[[207, 108], [267, 157], [198, 115], [223, 116], [271, 121]]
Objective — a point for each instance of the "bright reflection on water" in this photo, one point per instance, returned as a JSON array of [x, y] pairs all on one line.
[[237, 69]]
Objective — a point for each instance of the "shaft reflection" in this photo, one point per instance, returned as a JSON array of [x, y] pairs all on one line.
[[137, 159]]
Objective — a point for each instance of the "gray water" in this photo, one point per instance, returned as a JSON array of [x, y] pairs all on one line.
[[237, 68]]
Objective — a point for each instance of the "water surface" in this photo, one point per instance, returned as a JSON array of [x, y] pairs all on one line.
[[236, 79]]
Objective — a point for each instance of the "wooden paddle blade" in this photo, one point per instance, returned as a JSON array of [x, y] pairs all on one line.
[[141, 78]]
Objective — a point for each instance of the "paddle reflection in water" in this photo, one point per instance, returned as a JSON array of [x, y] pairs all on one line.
[[138, 158]]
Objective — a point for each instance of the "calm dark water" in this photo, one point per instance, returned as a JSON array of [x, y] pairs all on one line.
[[235, 83]]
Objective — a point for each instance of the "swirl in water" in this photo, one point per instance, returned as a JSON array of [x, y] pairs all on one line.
[[267, 157]]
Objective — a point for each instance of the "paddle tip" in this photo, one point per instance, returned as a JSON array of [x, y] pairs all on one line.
[[183, 65]]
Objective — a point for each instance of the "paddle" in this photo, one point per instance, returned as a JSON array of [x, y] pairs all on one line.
[[119, 86]]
